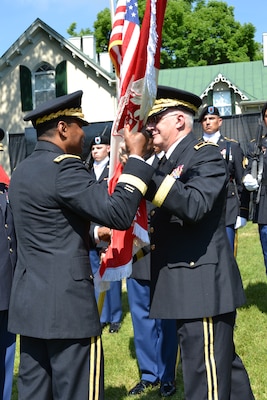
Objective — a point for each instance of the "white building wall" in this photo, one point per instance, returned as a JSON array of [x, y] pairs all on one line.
[[97, 103]]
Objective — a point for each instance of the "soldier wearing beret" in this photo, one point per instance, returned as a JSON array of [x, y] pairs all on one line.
[[111, 312], [53, 305], [194, 276], [237, 204], [255, 181]]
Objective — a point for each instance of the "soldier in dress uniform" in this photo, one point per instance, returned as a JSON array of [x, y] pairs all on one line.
[[8, 256], [237, 204], [194, 276], [111, 312], [155, 340], [255, 180], [52, 304]]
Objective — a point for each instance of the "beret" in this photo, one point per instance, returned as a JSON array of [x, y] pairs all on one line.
[[208, 110], [101, 139]]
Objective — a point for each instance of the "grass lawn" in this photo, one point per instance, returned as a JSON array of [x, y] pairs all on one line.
[[121, 369]]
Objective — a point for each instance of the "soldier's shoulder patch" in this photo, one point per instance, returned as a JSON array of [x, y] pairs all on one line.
[[202, 144], [230, 140], [62, 157]]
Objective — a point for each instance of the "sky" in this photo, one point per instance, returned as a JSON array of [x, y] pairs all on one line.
[[18, 15]]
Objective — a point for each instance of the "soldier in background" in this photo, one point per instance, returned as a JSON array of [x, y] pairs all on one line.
[[8, 256], [237, 204], [255, 181], [155, 340], [111, 313]]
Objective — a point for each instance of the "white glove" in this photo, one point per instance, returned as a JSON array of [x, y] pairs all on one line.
[[250, 183], [240, 222]]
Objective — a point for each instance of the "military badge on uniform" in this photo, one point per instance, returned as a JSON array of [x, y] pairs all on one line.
[[227, 154], [177, 172]]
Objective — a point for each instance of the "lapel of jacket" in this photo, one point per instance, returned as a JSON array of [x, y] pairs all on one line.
[[104, 174], [178, 153]]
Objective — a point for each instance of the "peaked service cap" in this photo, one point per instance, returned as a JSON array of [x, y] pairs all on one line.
[[168, 97], [68, 105]]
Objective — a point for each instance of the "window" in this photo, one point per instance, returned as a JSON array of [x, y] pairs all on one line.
[[222, 100], [44, 83], [44, 87]]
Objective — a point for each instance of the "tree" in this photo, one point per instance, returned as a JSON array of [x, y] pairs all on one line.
[[102, 28], [194, 33], [72, 31], [206, 34]]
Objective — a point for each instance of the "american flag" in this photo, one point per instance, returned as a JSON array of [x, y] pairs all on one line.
[[135, 54], [124, 39]]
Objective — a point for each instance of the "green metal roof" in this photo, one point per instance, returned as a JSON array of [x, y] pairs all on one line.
[[249, 77]]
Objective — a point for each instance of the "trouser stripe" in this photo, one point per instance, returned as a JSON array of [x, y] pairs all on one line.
[[95, 367], [210, 359]]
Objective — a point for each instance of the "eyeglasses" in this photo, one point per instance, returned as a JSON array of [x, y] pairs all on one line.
[[154, 119]]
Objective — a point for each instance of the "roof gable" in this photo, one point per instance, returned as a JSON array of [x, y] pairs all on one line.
[[27, 39], [249, 79], [222, 78]]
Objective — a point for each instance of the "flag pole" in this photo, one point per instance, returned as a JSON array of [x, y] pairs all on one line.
[[112, 11], [102, 294]]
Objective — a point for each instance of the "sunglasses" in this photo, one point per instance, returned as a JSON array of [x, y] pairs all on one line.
[[154, 119]]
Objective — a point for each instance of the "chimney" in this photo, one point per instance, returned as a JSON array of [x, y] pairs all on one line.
[[89, 46], [105, 62], [86, 44], [76, 41]]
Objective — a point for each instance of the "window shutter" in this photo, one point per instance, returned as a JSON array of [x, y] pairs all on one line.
[[210, 97], [25, 88], [61, 79], [233, 100]]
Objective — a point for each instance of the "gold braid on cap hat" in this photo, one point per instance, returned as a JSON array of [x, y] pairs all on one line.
[[161, 104], [68, 112]]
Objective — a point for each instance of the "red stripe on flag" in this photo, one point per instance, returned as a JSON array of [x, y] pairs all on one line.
[[122, 38]]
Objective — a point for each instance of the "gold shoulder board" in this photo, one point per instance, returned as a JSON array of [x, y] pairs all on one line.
[[230, 140], [58, 159], [245, 162], [202, 144]]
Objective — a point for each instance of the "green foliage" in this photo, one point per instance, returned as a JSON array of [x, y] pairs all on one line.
[[102, 30], [121, 368], [83, 32], [201, 32], [206, 34]]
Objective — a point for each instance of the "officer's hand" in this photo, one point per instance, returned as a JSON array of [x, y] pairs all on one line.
[[123, 154], [136, 143], [104, 234], [240, 222], [250, 183]]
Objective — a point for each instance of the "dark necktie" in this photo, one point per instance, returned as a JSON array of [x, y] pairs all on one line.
[[163, 163], [163, 160]]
